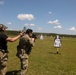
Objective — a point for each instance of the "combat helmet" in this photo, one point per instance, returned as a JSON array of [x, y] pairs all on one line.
[[2, 26]]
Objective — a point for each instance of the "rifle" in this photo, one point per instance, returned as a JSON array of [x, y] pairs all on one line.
[[24, 30], [34, 36]]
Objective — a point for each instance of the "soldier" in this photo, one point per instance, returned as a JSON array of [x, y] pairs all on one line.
[[3, 48], [24, 48]]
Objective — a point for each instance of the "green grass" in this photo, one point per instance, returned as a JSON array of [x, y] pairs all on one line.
[[42, 61]]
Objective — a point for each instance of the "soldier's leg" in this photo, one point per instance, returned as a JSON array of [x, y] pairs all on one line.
[[24, 63], [3, 63], [3, 70], [24, 66]]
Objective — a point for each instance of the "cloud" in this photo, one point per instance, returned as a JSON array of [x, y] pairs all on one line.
[[59, 27], [26, 24], [1, 2], [32, 25], [72, 28], [25, 17], [49, 12], [53, 22], [9, 23]]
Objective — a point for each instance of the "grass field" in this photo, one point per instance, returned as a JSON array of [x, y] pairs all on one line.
[[42, 61]]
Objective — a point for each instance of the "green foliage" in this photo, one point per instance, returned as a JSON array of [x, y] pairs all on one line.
[[37, 33], [43, 61], [12, 32]]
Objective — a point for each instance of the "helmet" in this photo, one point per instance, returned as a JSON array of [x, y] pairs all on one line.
[[2, 26], [29, 31]]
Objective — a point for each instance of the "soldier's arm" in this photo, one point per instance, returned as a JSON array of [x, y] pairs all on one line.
[[14, 38], [31, 40]]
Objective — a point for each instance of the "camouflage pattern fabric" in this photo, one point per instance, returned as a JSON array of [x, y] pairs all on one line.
[[3, 63], [23, 56], [24, 62], [23, 50]]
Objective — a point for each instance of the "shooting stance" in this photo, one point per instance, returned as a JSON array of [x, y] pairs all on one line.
[[24, 48], [3, 48], [57, 43]]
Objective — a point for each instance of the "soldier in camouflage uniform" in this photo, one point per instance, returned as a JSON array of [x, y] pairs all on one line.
[[3, 48], [24, 48]]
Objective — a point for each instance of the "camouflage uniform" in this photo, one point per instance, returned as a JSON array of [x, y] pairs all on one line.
[[3, 49], [23, 50], [3, 62]]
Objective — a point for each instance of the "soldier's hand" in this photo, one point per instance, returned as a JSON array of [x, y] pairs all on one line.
[[21, 33], [33, 39]]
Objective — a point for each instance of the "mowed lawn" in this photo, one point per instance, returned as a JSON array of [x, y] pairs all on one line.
[[43, 61]]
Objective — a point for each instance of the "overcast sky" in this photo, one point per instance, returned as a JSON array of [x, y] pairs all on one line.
[[50, 16]]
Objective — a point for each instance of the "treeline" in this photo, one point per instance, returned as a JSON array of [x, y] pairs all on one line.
[[54, 34], [9, 32]]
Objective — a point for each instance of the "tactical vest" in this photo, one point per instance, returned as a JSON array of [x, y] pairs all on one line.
[[24, 42]]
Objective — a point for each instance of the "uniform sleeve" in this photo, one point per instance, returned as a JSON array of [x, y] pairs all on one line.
[[27, 38], [5, 36]]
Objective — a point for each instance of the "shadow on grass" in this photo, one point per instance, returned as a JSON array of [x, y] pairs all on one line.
[[15, 72], [54, 53]]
